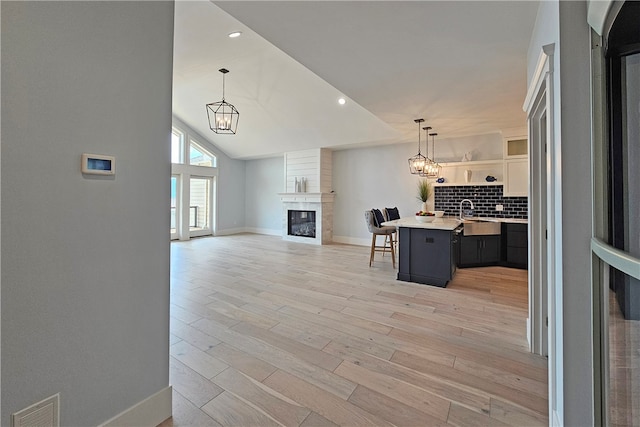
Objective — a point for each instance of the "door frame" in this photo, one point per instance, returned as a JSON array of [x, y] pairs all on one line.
[[545, 299]]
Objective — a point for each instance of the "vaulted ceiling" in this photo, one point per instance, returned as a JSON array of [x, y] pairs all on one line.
[[459, 65]]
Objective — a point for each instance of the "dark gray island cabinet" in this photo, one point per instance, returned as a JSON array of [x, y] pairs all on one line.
[[428, 252]]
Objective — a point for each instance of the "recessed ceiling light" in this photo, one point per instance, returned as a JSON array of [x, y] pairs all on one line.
[[342, 101], [235, 34]]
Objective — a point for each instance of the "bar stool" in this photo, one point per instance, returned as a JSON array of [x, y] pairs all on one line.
[[392, 214], [380, 231]]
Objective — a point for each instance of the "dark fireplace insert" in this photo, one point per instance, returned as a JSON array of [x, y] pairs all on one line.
[[301, 223]]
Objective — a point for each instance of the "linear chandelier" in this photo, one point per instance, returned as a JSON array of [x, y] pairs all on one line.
[[223, 117]]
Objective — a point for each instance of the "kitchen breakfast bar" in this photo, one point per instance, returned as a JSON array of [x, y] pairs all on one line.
[[427, 251]]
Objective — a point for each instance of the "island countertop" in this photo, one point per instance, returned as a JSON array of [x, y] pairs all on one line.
[[447, 223]]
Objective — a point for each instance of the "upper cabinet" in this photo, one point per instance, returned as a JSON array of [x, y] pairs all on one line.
[[516, 147], [516, 167]]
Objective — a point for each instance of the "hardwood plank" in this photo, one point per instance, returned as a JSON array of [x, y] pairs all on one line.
[[317, 420], [516, 415], [270, 402], [390, 409], [503, 376], [243, 362], [196, 359], [326, 404], [383, 340], [406, 393], [192, 335], [279, 358], [229, 410], [186, 414], [462, 395], [302, 351], [486, 385], [193, 386], [460, 416]]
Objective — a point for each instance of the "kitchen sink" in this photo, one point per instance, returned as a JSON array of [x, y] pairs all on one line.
[[477, 227]]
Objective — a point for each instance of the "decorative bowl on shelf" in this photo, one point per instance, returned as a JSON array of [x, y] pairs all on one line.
[[425, 218], [440, 180]]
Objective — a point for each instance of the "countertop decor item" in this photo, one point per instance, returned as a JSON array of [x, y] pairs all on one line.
[[223, 117], [424, 193]]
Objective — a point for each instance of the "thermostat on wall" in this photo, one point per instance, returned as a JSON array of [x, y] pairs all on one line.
[[97, 164]]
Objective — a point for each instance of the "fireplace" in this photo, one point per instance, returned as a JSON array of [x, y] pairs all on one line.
[[307, 217], [301, 223]]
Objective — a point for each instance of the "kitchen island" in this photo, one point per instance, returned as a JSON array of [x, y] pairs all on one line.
[[427, 251]]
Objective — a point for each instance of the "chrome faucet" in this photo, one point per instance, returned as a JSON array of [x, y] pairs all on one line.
[[464, 200]]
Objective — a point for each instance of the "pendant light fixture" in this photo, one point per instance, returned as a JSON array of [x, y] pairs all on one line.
[[433, 169], [223, 117], [429, 162], [418, 162]]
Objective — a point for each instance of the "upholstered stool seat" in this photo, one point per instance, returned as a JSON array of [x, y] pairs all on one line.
[[375, 230]]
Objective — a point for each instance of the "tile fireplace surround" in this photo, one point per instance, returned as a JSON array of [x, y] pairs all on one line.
[[321, 204]]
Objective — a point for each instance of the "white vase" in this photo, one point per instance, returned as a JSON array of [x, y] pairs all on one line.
[[467, 176], [425, 207]]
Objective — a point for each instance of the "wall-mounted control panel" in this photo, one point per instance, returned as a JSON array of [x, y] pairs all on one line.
[[98, 164]]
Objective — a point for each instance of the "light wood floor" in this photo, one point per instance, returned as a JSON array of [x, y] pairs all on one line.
[[266, 332]]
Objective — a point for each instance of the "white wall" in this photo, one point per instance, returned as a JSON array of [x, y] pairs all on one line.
[[85, 262], [264, 180], [565, 24]]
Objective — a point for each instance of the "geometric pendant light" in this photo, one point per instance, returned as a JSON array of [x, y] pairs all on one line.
[[433, 168], [223, 117], [418, 162]]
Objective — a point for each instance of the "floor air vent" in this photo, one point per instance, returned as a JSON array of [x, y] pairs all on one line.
[[45, 413]]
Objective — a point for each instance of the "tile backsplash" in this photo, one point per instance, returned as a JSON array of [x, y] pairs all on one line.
[[484, 198]]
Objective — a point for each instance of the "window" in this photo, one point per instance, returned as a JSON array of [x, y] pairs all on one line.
[[194, 169], [177, 146], [198, 156]]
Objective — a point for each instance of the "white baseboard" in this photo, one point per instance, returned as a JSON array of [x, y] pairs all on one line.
[[347, 240], [267, 231], [148, 413], [230, 231]]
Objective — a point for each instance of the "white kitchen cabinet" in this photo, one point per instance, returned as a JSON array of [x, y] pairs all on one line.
[[516, 178], [516, 167], [516, 147]]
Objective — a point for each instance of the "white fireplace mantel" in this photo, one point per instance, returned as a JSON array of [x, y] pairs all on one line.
[[321, 204], [307, 197]]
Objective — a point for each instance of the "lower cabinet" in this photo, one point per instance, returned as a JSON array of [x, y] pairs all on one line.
[[516, 245], [478, 251], [427, 256]]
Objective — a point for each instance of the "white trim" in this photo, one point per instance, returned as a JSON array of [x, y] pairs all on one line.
[[347, 240], [149, 412], [597, 12], [545, 296], [230, 231], [616, 258], [543, 67], [265, 231]]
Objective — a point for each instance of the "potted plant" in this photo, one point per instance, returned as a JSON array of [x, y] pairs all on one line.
[[424, 193]]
